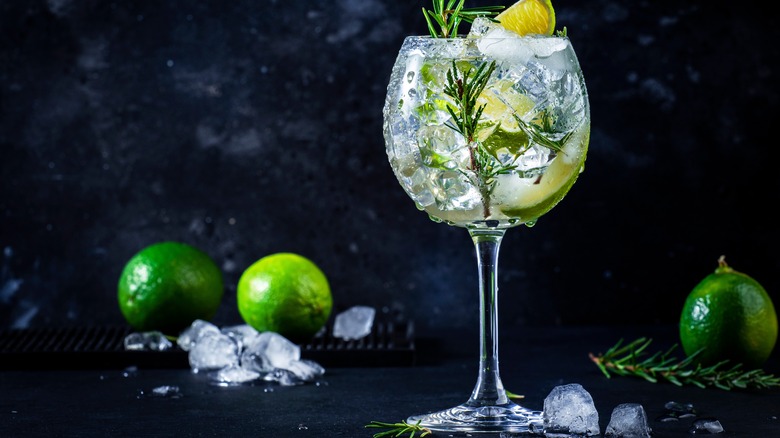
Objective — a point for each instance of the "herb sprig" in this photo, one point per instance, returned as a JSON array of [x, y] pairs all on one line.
[[448, 17], [398, 429], [464, 86], [630, 360], [537, 133]]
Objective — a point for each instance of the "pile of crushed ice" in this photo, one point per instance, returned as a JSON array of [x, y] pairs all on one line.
[[240, 354], [235, 355]]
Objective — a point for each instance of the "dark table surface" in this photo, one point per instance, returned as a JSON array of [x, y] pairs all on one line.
[[103, 402]]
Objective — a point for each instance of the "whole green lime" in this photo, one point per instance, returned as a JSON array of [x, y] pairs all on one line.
[[729, 316], [168, 285], [285, 293]]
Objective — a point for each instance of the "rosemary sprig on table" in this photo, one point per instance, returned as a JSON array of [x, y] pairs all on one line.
[[629, 360], [398, 429], [448, 17]]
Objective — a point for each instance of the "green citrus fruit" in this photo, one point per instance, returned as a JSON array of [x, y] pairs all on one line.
[[731, 317], [285, 293], [168, 285]]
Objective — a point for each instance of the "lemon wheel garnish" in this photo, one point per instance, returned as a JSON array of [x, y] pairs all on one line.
[[529, 17]]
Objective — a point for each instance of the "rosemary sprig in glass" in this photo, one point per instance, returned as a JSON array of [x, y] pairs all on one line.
[[448, 17], [464, 86], [630, 360], [537, 133], [398, 429]]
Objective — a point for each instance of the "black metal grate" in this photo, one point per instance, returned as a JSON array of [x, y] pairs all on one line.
[[60, 340], [390, 343]]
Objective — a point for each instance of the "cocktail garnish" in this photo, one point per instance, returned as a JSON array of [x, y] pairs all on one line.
[[398, 429], [465, 86], [448, 17], [527, 17]]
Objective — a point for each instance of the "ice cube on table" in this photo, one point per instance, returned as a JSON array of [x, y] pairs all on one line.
[[233, 375], [283, 377], [147, 341], [680, 410], [354, 323], [305, 369], [628, 420], [189, 336], [163, 391], [278, 350], [569, 410], [706, 426], [242, 334], [255, 362], [213, 351], [131, 371]]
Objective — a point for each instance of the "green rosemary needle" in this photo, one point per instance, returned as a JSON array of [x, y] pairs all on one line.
[[398, 429], [630, 360], [465, 86], [448, 17]]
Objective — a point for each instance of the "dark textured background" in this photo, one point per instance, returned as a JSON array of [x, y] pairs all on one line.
[[252, 127]]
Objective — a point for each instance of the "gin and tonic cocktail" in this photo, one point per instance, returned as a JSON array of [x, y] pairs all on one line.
[[486, 132]]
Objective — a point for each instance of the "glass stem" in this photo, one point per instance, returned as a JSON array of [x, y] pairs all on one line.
[[489, 390]]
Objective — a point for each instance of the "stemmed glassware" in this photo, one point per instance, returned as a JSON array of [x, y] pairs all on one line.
[[486, 132]]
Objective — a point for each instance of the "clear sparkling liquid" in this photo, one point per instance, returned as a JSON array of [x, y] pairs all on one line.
[[537, 83]]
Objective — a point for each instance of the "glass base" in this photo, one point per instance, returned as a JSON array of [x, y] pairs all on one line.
[[508, 417]]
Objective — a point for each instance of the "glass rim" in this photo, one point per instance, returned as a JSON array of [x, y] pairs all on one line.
[[509, 37]]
